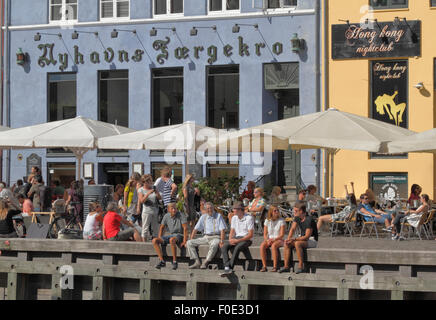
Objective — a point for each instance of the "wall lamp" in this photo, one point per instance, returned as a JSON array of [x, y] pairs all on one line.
[[37, 36], [194, 30], [21, 57], [346, 21], [419, 85], [296, 43], [75, 34], [237, 27], [114, 33], [153, 31]]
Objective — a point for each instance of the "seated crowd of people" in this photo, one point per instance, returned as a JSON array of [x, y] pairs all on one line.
[[134, 215]]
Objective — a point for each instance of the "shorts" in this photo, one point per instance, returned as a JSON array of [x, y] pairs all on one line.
[[312, 243], [178, 236], [123, 235]]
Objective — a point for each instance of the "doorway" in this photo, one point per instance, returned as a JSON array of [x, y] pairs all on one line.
[[114, 173], [63, 172], [288, 161]]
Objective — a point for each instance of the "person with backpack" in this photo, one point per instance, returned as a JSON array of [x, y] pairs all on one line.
[[74, 196], [35, 192]]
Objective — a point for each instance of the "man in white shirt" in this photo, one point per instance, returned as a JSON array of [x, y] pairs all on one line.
[[7, 195], [213, 227], [241, 233]]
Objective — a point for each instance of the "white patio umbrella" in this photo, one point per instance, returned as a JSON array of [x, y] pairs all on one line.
[[78, 135], [420, 142], [332, 130], [187, 137]]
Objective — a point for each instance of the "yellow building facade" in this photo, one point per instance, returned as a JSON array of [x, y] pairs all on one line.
[[387, 61]]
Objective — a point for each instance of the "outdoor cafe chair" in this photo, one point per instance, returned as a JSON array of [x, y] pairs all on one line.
[[428, 224], [347, 223], [368, 226], [419, 228]]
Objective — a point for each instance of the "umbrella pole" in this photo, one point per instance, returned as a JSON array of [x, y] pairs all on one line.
[[186, 163], [332, 162]]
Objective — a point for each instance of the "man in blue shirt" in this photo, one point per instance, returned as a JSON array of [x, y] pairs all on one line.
[[371, 214], [213, 227]]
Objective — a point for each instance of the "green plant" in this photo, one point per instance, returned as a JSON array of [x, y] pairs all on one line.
[[214, 190]]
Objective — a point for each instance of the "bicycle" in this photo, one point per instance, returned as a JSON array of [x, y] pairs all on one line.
[[65, 220]]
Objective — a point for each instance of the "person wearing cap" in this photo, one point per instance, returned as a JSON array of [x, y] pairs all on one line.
[[214, 229], [241, 234]]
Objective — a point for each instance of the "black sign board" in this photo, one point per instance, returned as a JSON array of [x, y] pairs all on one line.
[[390, 92], [389, 186], [32, 161], [376, 40]]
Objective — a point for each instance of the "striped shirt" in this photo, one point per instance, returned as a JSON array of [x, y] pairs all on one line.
[[164, 188]]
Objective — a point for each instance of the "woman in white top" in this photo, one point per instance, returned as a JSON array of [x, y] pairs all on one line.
[[148, 196], [273, 233], [93, 223], [412, 216]]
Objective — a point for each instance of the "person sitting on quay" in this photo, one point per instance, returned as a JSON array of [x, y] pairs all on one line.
[[111, 226], [213, 227], [343, 214], [240, 237], [94, 220], [308, 237], [371, 214], [273, 233], [412, 217], [177, 227]]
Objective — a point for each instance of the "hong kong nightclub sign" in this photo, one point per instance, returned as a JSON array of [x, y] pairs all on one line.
[[48, 56], [376, 40]]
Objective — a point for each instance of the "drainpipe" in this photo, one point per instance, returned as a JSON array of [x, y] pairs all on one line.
[[318, 84], [1, 82], [6, 84], [326, 89]]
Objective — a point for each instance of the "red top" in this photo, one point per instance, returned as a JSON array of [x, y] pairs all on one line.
[[413, 197], [247, 194], [112, 221]]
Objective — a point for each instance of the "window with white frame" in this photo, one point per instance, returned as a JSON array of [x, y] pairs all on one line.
[[112, 9], [223, 5], [276, 4], [63, 10], [167, 7]]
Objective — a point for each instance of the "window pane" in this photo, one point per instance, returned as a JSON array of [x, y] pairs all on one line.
[[160, 6], [62, 96], [56, 13], [215, 5], [56, 2], [107, 9], [232, 4], [386, 4], [223, 97], [176, 6], [433, 3], [123, 9], [61, 100], [273, 3], [223, 170], [71, 1], [71, 12], [114, 97], [167, 96]]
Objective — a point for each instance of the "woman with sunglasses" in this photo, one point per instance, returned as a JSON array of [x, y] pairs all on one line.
[[94, 220], [273, 233]]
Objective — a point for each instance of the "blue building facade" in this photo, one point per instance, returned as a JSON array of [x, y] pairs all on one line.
[[81, 46]]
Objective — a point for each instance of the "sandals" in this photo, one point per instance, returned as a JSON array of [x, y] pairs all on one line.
[[274, 270], [263, 269]]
